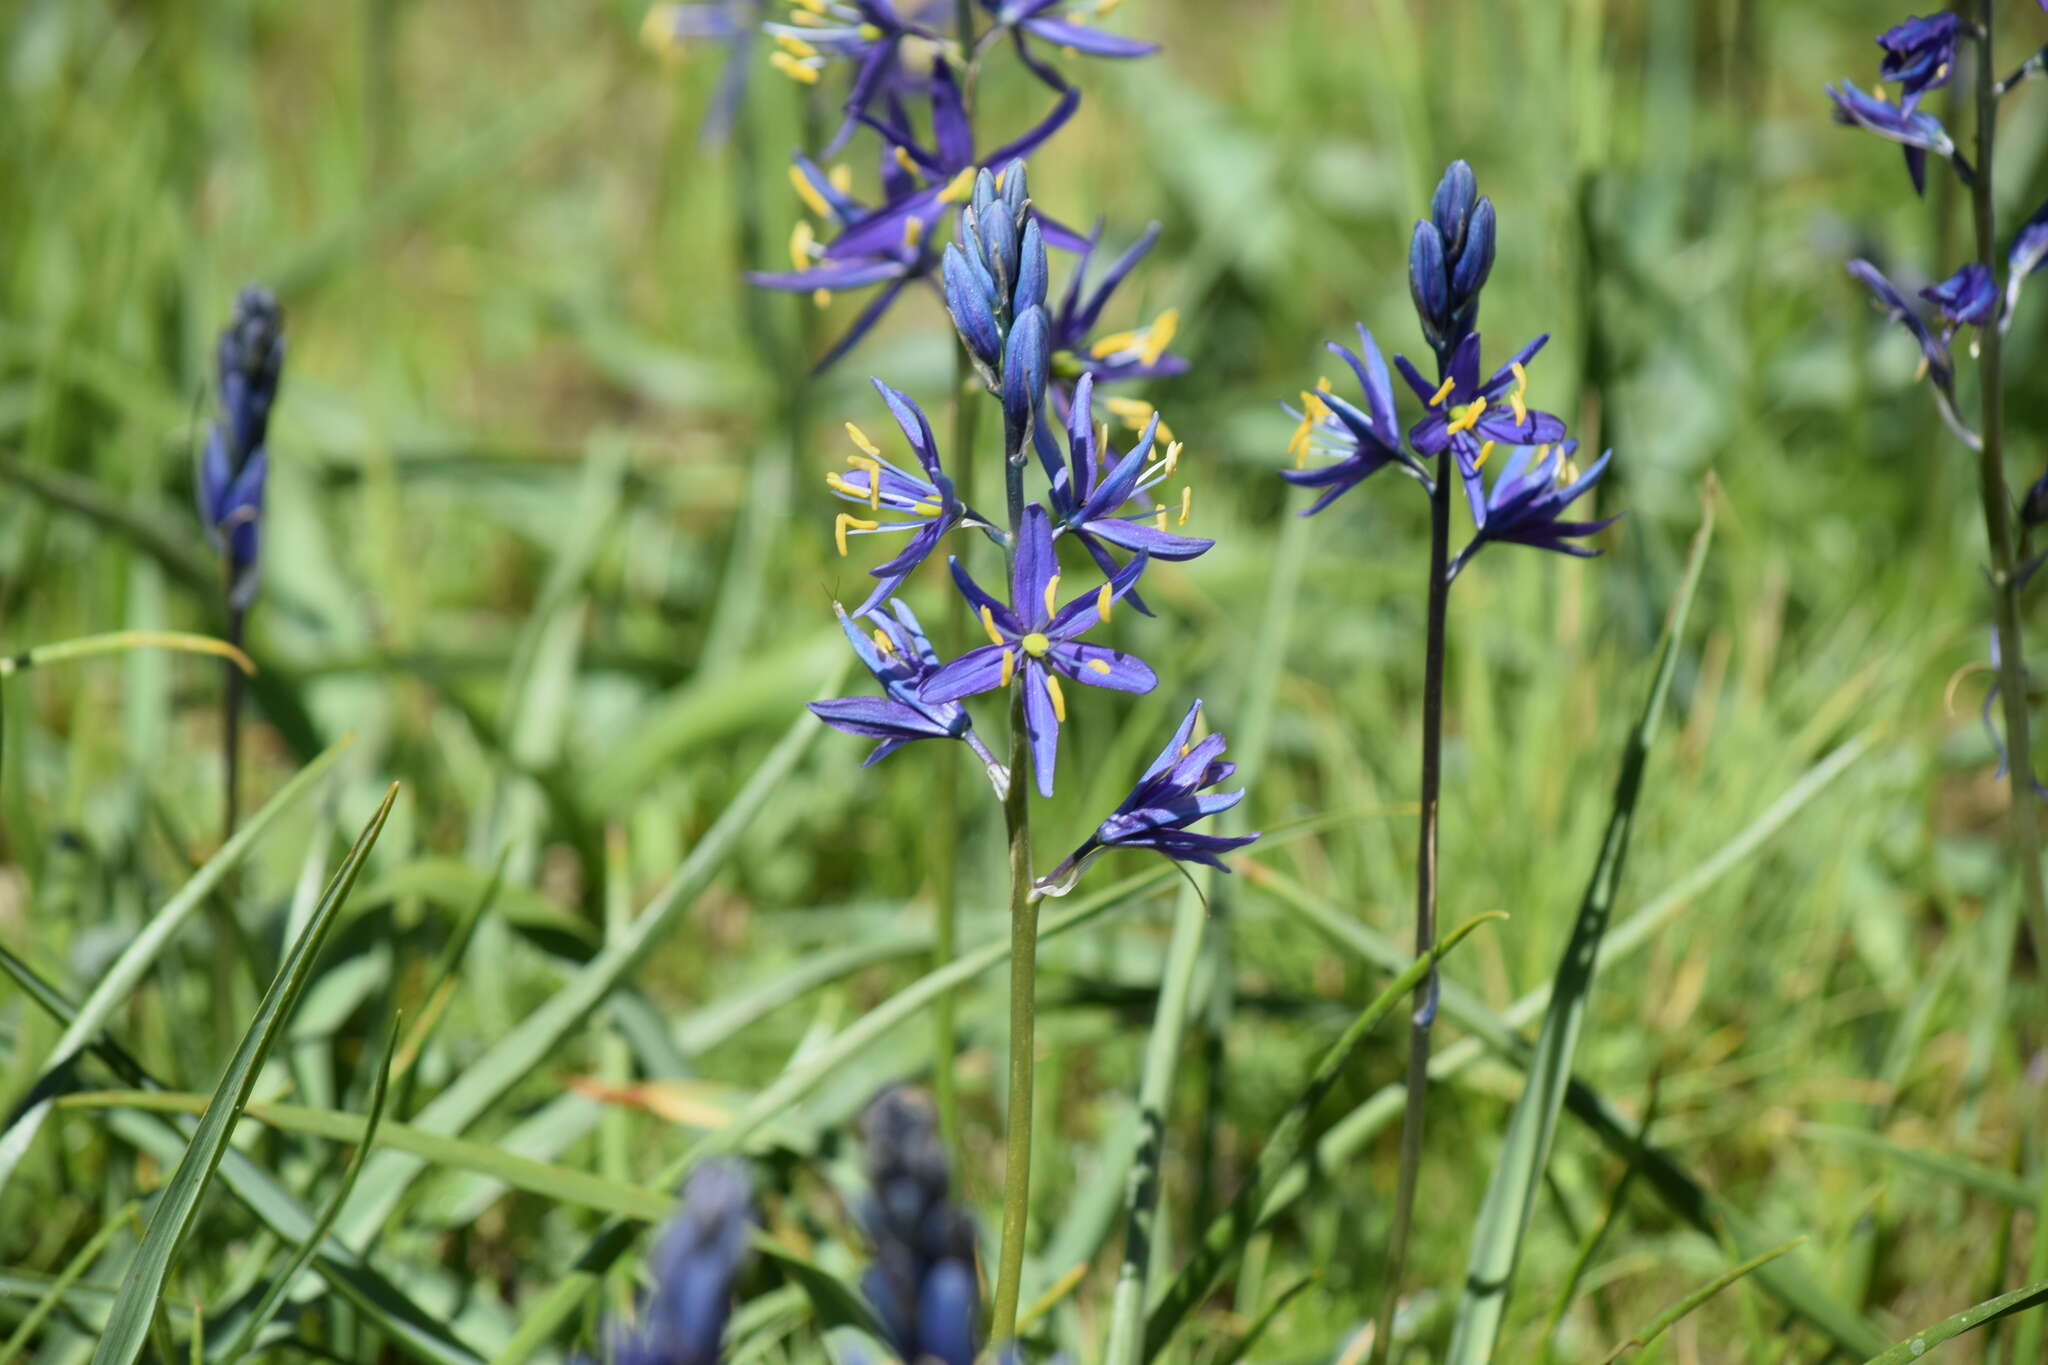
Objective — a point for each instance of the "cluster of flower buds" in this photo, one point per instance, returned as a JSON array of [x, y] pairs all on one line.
[[1449, 258], [683, 1320], [249, 362], [922, 1283]]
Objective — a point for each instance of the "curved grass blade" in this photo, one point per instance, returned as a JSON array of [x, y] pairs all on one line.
[[273, 1294], [1661, 1324], [1969, 1320], [119, 641], [1970, 1175], [1224, 1242], [61, 1287], [1517, 1178], [1237, 1350], [135, 960], [135, 1305]]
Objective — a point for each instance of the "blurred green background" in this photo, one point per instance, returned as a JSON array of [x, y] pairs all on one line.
[[541, 540]]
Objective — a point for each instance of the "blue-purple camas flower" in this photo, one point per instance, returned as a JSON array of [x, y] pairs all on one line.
[[1137, 353], [1172, 794], [892, 54], [1035, 640], [1363, 441], [2029, 249], [922, 1283], [1918, 131], [902, 660], [235, 463], [694, 1266], [1528, 499], [732, 24], [1066, 24], [926, 502], [1115, 508], [1468, 416], [1968, 296], [1935, 361], [1449, 258], [1919, 54]]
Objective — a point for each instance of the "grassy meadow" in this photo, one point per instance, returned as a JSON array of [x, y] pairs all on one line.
[[548, 546]]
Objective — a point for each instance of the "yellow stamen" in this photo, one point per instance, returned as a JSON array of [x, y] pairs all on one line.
[[658, 30], [1515, 399], [904, 160], [868, 33], [1052, 587], [925, 509], [814, 6], [842, 522], [1443, 392], [1465, 418], [808, 192], [1135, 412], [1111, 344], [794, 46], [821, 298], [805, 19], [1099, 666], [1173, 450], [988, 623], [1059, 700], [1160, 336], [1036, 644], [1009, 667], [846, 489], [792, 68], [801, 241], [1187, 501], [1103, 599], [913, 232], [860, 438], [1159, 519], [1484, 452], [840, 177], [883, 643], [962, 185], [1323, 384]]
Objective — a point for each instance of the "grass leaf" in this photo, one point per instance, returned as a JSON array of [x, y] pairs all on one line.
[[1969, 1320]]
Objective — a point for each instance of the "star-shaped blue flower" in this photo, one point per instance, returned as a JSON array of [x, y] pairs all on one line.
[[1527, 502], [1916, 130], [928, 500], [1468, 415], [902, 660], [1363, 440]]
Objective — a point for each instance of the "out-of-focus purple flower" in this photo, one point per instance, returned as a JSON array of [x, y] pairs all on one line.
[[1934, 357], [1468, 415], [1139, 353], [671, 29], [893, 244], [892, 54], [1528, 499], [683, 1321], [2029, 249], [1449, 258], [1919, 54], [1918, 131], [235, 463], [927, 500], [1066, 25], [1034, 641], [922, 1283], [902, 660], [2034, 507], [1968, 296], [1172, 794], [1362, 440]]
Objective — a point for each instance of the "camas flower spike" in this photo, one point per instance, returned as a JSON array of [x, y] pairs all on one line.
[[236, 462]]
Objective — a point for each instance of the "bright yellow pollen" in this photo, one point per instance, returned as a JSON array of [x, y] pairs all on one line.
[[925, 509], [840, 177], [1443, 392], [962, 185], [821, 298], [846, 489], [814, 6], [658, 30], [1484, 452], [1173, 450], [1187, 501], [842, 522], [808, 192], [1111, 344], [1160, 336], [868, 33], [1323, 384], [1159, 519], [988, 623], [1036, 644], [1099, 666], [1103, 599], [1009, 667], [1465, 418], [860, 438], [913, 231], [806, 19], [1515, 399], [1059, 699], [792, 68], [794, 46], [883, 643], [1052, 587], [904, 160], [801, 240]]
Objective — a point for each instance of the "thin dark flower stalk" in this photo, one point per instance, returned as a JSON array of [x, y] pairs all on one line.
[[1425, 904], [231, 728], [1998, 516]]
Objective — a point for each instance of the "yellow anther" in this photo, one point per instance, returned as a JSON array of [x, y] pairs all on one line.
[[806, 19], [1160, 336], [904, 159], [868, 33], [883, 642], [1099, 666], [1159, 519], [843, 522], [808, 192], [1298, 444], [999, 176], [658, 30], [1111, 344], [1515, 399], [821, 298], [1173, 450], [1567, 472], [1105, 6], [1009, 667], [794, 46], [988, 623], [1052, 588], [926, 509], [1323, 384], [1103, 600], [959, 188], [1485, 451], [1465, 418], [860, 438], [1443, 392], [1187, 501], [792, 68], [801, 242], [1059, 699], [840, 177], [1134, 412], [1036, 644], [814, 6], [913, 232], [847, 489]]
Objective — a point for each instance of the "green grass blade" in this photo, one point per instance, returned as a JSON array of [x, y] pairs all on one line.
[[1237, 1350], [274, 1293], [135, 1305], [1970, 1175], [1517, 1178], [62, 1285], [1969, 1320], [1226, 1237], [1661, 1324], [135, 960]]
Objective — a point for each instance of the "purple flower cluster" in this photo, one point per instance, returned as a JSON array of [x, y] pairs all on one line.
[[235, 464]]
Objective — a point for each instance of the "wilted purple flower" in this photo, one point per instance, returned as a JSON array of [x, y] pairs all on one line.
[[671, 29], [1172, 794], [683, 1321], [1968, 296], [1916, 130], [1934, 356], [922, 1283], [1064, 24], [1529, 496], [1919, 54], [1363, 440], [235, 463], [1034, 641], [1468, 415], [928, 500], [2029, 249], [902, 660], [1450, 256]]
